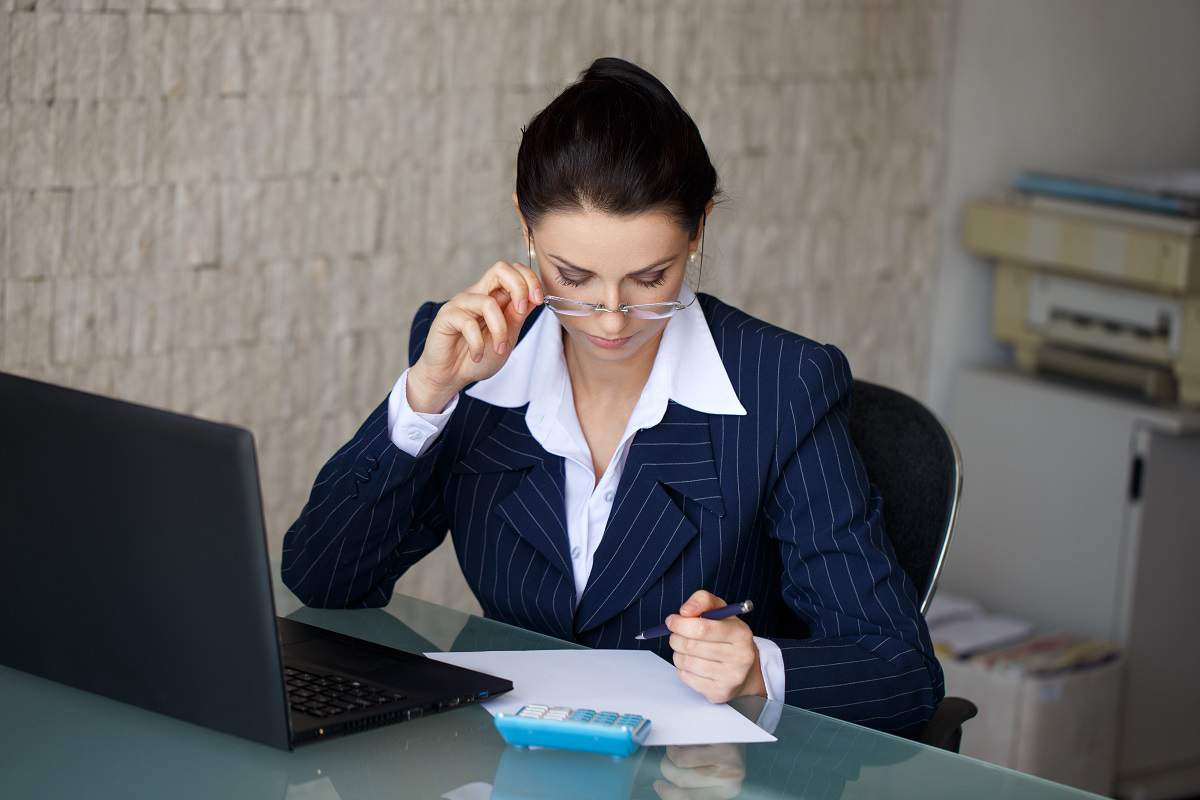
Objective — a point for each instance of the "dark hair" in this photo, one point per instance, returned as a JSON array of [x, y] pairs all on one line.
[[618, 141]]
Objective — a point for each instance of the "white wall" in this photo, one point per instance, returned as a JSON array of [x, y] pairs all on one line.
[[1069, 85]]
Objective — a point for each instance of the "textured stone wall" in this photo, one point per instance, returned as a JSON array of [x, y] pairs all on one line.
[[232, 208]]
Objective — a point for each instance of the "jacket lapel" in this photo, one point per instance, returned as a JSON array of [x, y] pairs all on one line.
[[535, 508], [667, 466]]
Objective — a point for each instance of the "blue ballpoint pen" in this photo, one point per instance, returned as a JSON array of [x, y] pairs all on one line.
[[733, 610]]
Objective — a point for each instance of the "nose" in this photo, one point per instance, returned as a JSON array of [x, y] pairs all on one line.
[[611, 324], [612, 298]]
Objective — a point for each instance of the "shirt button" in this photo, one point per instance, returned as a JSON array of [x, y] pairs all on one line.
[[574, 552], [608, 496], [414, 435]]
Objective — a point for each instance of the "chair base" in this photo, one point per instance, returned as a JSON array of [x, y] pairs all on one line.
[[944, 728]]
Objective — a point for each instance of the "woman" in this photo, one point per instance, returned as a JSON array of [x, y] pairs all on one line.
[[611, 450]]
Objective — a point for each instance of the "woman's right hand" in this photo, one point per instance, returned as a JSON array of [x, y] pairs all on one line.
[[472, 335]]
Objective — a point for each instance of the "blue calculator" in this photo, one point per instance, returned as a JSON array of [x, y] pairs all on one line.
[[574, 729]]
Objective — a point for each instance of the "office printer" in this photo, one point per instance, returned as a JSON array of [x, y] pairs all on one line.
[[1108, 297]]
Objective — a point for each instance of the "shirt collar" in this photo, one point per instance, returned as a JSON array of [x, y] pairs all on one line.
[[687, 367]]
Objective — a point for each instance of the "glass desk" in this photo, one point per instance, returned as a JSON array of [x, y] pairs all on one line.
[[61, 742]]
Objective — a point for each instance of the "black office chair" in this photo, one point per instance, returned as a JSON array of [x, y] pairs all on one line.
[[913, 460]]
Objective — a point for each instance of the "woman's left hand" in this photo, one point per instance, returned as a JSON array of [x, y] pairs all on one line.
[[716, 657], [707, 771]]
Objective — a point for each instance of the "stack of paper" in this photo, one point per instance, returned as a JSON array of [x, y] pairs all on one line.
[[960, 627]]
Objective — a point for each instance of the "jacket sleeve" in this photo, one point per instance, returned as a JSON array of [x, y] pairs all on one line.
[[374, 511], [869, 658]]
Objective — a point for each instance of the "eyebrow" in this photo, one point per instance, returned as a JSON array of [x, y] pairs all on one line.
[[665, 261]]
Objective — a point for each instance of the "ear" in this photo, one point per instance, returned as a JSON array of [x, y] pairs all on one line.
[[520, 217]]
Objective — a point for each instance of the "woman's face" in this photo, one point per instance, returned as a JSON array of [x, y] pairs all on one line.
[[602, 258]]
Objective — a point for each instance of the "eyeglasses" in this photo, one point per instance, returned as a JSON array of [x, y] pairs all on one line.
[[578, 308], [565, 307]]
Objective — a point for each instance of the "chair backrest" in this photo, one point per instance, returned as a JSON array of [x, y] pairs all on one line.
[[914, 462]]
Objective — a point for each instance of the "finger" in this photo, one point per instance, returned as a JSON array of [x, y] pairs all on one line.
[[720, 681], [722, 792], [668, 792], [690, 755], [488, 280], [532, 281], [487, 307], [701, 648], [514, 284], [691, 778], [731, 630], [516, 321], [706, 629], [699, 602], [504, 277], [466, 324], [698, 682], [700, 755], [715, 671], [708, 689]]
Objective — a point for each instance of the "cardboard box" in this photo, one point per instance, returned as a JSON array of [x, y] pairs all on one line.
[[1062, 727]]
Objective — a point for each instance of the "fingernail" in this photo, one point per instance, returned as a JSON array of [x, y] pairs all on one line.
[[503, 347], [477, 358], [521, 306], [688, 607]]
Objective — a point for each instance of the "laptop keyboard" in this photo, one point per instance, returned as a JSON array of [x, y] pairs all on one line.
[[326, 695]]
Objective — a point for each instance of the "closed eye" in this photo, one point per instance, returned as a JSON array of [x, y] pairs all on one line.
[[650, 282]]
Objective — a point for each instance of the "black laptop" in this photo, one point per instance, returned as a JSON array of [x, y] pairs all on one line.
[[134, 564]]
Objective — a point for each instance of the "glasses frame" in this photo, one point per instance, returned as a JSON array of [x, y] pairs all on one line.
[[670, 307]]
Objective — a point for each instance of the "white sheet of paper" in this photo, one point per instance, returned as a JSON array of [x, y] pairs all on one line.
[[626, 681]]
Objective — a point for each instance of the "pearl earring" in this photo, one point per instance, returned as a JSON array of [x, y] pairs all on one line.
[[692, 257]]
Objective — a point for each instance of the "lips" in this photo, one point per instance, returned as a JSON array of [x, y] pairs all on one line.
[[609, 344]]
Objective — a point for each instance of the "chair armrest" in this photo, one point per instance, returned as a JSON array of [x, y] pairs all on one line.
[[944, 728]]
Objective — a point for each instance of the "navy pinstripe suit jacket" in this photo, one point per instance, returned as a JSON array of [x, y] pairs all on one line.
[[774, 506]]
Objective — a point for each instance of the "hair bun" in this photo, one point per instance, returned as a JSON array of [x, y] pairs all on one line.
[[616, 141], [622, 71]]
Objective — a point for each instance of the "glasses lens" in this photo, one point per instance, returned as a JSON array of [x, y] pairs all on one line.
[[653, 310], [569, 308]]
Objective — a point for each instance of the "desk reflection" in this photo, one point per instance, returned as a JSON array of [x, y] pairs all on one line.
[[70, 742]]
